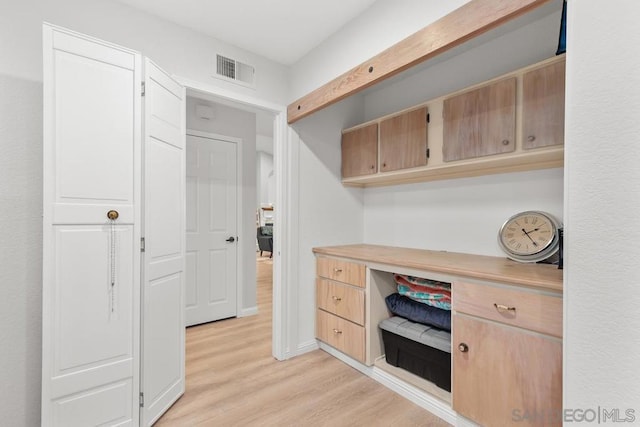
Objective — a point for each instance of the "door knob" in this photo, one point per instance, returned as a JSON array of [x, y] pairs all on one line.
[[231, 239]]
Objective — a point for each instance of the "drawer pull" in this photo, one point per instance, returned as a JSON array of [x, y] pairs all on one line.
[[337, 331], [503, 308], [337, 270], [463, 347], [336, 299]]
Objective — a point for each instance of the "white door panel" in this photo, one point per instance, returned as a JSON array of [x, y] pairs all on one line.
[[94, 154], [102, 325], [211, 220], [102, 406], [91, 156], [163, 340]]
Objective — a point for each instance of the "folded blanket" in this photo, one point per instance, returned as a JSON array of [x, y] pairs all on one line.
[[430, 292], [417, 312]]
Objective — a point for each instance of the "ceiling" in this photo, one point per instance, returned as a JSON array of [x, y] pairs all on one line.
[[281, 30]]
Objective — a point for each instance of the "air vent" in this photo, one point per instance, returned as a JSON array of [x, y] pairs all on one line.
[[235, 71]]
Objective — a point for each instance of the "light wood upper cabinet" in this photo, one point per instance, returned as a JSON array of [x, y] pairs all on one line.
[[543, 106], [360, 151], [403, 140], [502, 374], [480, 122]]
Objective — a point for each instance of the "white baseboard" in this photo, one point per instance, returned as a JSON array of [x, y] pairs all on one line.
[[307, 347], [245, 312], [421, 398]]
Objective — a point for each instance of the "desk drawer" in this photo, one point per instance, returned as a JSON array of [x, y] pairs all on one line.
[[341, 334], [341, 271], [516, 307], [342, 300]]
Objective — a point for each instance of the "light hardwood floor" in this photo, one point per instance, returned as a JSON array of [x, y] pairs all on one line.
[[232, 380]]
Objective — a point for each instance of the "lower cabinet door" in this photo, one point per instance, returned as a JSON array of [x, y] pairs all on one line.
[[341, 334], [505, 376]]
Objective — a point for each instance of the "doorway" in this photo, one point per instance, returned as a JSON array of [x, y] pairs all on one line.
[[252, 130]]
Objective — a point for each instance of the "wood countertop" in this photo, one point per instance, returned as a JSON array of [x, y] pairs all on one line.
[[482, 267]]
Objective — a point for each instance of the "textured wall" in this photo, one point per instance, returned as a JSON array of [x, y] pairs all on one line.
[[20, 251], [602, 207]]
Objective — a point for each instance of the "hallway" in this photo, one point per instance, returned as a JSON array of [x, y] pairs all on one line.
[[233, 380]]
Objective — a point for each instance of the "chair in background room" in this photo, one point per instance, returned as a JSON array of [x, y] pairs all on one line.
[[265, 239]]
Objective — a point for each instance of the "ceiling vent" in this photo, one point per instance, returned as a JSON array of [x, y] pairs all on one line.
[[236, 71]]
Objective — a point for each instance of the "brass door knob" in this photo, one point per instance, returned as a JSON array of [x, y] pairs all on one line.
[[113, 215]]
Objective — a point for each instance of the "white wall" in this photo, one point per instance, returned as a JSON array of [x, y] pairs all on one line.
[[460, 215], [20, 251], [329, 213], [385, 23], [266, 181], [241, 124], [602, 198], [179, 51]]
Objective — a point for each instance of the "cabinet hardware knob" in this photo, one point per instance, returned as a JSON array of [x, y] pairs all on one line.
[[337, 299], [505, 142], [504, 308], [113, 215], [531, 138], [337, 270], [337, 331], [384, 165], [373, 166], [463, 347]]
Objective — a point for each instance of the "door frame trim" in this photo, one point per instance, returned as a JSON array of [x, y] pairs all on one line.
[[239, 186]]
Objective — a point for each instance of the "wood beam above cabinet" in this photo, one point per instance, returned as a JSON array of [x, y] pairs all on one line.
[[471, 20]]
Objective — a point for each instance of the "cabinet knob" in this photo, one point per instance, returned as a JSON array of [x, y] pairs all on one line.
[[113, 215], [384, 165], [336, 299], [531, 138], [505, 142], [463, 347], [337, 331], [504, 308], [373, 166], [337, 270]]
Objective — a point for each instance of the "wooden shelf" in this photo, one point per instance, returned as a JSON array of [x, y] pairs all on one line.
[[414, 380], [471, 20]]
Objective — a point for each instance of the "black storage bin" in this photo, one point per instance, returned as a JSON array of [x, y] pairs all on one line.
[[427, 353]]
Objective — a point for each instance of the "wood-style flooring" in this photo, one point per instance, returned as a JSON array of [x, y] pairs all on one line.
[[233, 380]]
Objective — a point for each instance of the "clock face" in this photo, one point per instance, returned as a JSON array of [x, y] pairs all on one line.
[[529, 236]]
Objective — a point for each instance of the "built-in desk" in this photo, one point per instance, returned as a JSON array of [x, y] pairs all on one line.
[[506, 326]]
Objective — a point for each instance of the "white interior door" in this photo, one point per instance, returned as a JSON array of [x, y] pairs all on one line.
[[91, 265], [163, 340], [211, 229]]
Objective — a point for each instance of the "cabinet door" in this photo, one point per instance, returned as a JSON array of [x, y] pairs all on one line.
[[403, 141], [360, 151], [506, 375], [480, 122], [543, 106]]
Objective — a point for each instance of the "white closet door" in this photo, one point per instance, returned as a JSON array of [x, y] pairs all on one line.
[[163, 322], [91, 266]]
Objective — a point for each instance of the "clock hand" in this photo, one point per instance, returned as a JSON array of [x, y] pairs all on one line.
[[527, 234]]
